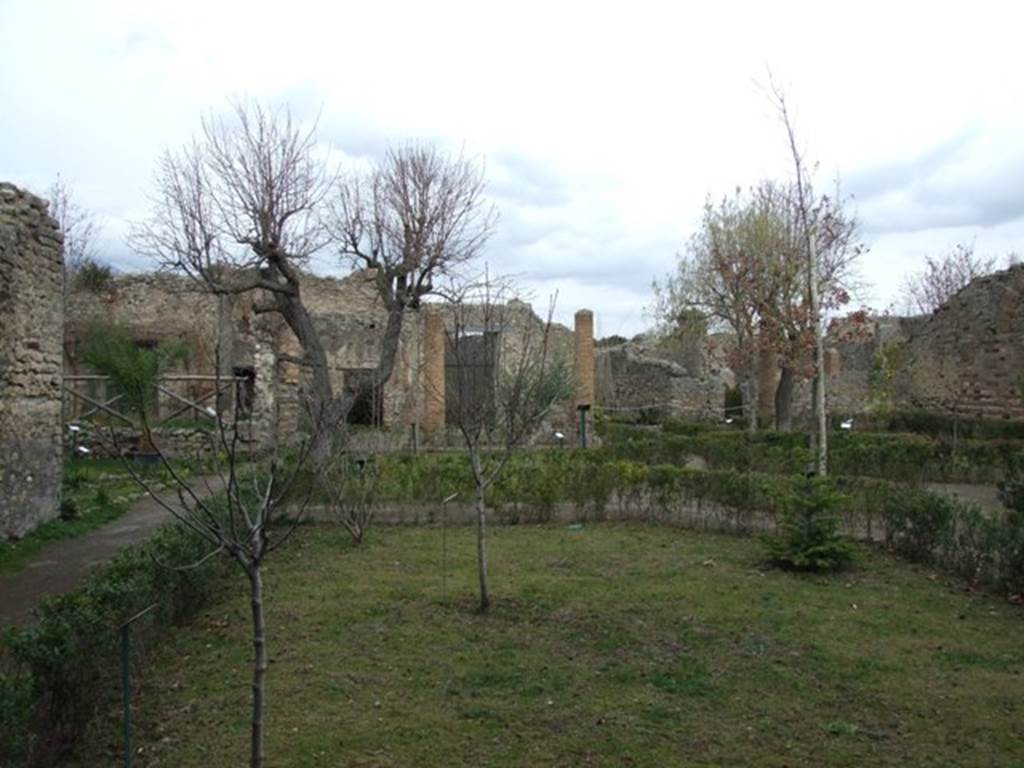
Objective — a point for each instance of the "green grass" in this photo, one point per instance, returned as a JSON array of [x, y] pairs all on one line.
[[614, 645]]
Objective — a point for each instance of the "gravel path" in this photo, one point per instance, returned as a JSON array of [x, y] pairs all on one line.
[[63, 565], [985, 496]]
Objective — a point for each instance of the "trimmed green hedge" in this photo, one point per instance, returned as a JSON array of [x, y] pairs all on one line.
[[942, 426], [917, 524], [902, 457], [58, 673]]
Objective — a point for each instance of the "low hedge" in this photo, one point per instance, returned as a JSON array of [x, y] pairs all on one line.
[[917, 524], [901, 457], [943, 426], [58, 673]]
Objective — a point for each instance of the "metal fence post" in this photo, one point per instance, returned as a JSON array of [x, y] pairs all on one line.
[[126, 683]]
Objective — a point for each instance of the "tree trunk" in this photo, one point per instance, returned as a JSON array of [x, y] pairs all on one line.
[[784, 400], [328, 413], [259, 666], [481, 548], [752, 401], [821, 447]]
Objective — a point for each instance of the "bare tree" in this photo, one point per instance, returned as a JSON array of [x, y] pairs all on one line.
[[240, 515], [804, 202], [943, 277], [507, 377], [413, 220], [244, 207], [239, 210], [77, 225], [350, 485]]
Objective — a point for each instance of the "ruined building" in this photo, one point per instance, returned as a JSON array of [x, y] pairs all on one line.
[[259, 352], [31, 320], [966, 358]]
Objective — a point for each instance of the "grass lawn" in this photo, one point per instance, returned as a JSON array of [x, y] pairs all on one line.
[[615, 645]]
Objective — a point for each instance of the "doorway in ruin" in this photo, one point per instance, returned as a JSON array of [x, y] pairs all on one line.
[[368, 408], [245, 389], [470, 370]]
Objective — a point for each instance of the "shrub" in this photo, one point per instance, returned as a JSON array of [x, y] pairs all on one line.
[[916, 523], [1011, 542], [808, 535], [60, 671], [93, 276], [69, 509], [940, 425]]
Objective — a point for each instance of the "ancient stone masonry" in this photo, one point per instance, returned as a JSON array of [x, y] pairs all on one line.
[[966, 358], [433, 373], [584, 370], [350, 320], [31, 322], [636, 379]]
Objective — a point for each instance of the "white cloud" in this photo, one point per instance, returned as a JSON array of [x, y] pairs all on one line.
[[603, 126]]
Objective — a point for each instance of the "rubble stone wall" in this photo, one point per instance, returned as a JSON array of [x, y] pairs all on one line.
[[966, 358], [31, 328], [634, 382]]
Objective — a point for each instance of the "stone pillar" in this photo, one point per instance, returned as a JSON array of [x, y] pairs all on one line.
[[584, 369], [433, 372], [31, 360], [264, 406]]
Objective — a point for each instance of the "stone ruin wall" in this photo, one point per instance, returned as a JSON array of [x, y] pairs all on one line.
[[641, 379], [31, 322], [159, 307], [348, 315], [967, 356]]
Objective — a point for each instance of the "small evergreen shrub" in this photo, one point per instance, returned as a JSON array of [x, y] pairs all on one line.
[[808, 537], [94, 276]]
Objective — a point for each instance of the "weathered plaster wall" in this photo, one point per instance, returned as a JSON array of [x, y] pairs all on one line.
[[31, 321]]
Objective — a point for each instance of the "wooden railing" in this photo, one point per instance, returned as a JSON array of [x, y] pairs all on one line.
[[223, 391]]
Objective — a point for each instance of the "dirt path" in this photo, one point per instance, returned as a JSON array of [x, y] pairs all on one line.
[[62, 566], [985, 496]]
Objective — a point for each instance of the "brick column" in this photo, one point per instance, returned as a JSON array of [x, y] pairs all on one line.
[[584, 368], [433, 371]]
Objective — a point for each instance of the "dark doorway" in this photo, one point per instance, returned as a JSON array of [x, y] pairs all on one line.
[[469, 375], [245, 389], [368, 408]]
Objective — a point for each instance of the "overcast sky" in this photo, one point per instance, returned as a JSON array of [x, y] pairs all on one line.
[[603, 126]]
